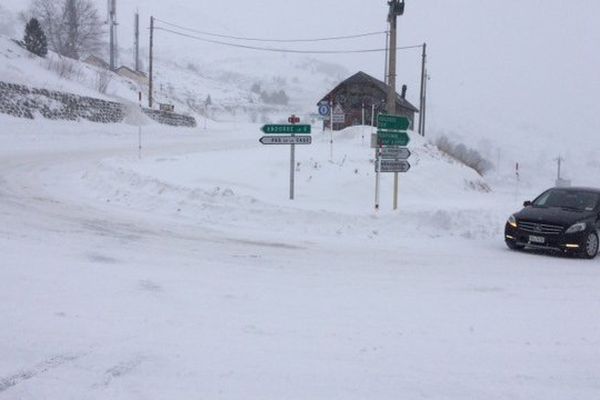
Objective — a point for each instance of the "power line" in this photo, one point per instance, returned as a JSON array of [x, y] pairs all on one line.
[[279, 50], [251, 39]]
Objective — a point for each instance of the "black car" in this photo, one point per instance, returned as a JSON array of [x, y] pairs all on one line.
[[562, 219]]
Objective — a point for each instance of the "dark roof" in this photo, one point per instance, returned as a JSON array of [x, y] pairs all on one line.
[[361, 77]]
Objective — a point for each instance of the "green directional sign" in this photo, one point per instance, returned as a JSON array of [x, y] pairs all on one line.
[[287, 129], [386, 138], [392, 122]]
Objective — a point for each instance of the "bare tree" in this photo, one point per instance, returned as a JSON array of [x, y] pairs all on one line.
[[103, 79], [6, 22], [73, 27], [65, 68]]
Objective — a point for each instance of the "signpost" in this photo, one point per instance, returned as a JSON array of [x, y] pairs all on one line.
[[323, 110], [395, 153], [287, 129], [392, 136], [392, 123], [396, 166], [339, 117], [268, 140], [290, 139]]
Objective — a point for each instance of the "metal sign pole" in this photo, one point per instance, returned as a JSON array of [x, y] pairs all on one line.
[[377, 161], [292, 120], [395, 190], [331, 131], [363, 124], [140, 127], [292, 169], [377, 178]]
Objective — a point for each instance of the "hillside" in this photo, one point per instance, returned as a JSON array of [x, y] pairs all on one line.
[[188, 273]]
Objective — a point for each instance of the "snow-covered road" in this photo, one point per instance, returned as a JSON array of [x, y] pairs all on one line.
[[119, 280]]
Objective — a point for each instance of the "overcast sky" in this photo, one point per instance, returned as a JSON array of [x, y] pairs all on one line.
[[496, 66]]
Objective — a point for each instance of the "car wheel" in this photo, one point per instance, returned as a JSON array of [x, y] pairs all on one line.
[[590, 246], [513, 245]]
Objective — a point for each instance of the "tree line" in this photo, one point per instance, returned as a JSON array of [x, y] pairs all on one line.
[[71, 28]]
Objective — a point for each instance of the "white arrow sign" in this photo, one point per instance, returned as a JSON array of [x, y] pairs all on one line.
[[286, 140], [395, 153], [393, 166]]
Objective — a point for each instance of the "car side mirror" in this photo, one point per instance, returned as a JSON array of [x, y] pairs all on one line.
[[527, 204]]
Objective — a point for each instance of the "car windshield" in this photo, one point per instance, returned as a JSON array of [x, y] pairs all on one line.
[[571, 199]]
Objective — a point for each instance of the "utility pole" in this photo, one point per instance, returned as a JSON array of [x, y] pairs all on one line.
[[396, 9], [112, 21], [423, 112], [150, 70], [137, 41], [386, 64], [422, 98]]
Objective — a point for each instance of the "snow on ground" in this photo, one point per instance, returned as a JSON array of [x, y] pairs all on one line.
[[189, 273]]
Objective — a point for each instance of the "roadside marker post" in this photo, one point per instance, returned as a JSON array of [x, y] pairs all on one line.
[[140, 128]]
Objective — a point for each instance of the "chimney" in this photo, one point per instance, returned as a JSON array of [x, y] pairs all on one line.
[[404, 87]]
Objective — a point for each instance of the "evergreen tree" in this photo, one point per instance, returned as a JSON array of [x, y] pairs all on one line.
[[35, 39]]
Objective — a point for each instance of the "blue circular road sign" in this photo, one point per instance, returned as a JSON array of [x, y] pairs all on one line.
[[323, 110]]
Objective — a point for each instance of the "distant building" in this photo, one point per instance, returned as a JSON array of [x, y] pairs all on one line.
[[97, 62], [127, 72], [362, 89]]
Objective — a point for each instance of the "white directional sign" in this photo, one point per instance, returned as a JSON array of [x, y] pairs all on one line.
[[286, 140], [395, 153], [393, 166]]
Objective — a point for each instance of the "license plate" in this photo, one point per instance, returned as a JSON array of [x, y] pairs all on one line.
[[537, 239]]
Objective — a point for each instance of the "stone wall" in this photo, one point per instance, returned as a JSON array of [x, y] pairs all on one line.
[[169, 118], [24, 102]]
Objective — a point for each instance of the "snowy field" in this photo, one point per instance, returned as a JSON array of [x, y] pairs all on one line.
[[189, 274]]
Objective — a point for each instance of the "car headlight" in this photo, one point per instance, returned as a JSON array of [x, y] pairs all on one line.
[[578, 227], [512, 221]]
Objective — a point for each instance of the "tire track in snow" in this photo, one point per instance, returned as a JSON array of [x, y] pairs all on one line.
[[44, 366], [119, 370]]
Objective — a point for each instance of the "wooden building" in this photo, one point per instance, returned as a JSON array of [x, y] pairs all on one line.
[[361, 90]]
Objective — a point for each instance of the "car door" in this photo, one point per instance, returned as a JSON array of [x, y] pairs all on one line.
[[598, 218]]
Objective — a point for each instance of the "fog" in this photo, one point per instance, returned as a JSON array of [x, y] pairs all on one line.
[[497, 68]]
